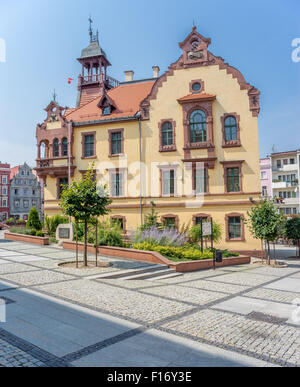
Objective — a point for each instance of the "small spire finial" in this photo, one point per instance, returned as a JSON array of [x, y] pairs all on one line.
[[90, 29], [54, 95]]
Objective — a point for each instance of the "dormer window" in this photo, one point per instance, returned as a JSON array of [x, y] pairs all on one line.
[[106, 111]]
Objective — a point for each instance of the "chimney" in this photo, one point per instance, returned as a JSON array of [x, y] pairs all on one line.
[[129, 76], [155, 71]]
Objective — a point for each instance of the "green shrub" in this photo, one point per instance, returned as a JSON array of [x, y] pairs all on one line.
[[109, 234], [33, 232], [40, 234], [51, 223], [184, 253], [18, 230], [34, 219]]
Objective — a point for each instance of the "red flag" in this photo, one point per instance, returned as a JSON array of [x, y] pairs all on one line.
[[70, 80]]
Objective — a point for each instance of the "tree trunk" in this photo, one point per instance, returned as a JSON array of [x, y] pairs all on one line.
[[262, 250], [274, 249], [85, 244], [269, 257]]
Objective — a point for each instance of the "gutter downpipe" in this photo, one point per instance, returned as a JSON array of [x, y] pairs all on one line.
[[139, 115]]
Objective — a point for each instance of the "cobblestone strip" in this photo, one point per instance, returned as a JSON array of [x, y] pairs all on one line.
[[11, 356], [43, 357]]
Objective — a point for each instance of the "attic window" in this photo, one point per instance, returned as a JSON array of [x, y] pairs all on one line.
[[106, 111]]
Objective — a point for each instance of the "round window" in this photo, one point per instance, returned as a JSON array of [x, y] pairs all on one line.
[[196, 86]]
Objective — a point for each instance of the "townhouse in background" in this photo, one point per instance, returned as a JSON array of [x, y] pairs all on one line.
[[25, 192], [194, 130], [4, 190], [280, 174]]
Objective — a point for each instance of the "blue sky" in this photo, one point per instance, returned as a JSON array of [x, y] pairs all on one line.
[[44, 38]]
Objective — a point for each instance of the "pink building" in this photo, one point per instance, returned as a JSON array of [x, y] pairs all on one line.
[[266, 177], [4, 190]]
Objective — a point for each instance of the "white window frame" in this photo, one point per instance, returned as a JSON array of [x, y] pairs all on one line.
[[123, 173], [4, 179]]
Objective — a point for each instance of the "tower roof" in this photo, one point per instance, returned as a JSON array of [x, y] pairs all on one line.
[[92, 50]]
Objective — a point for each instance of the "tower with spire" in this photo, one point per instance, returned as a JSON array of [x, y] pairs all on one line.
[[93, 79]]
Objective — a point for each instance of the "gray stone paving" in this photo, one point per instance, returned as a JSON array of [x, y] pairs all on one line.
[[236, 316]]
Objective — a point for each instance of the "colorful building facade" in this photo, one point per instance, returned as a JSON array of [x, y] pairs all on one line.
[[4, 190], [285, 175], [186, 140], [25, 192]]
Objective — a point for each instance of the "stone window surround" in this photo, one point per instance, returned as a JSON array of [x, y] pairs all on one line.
[[168, 216], [167, 148], [197, 81], [188, 108], [123, 218], [122, 171], [83, 135], [233, 164], [200, 216], [233, 143], [110, 132], [232, 215]]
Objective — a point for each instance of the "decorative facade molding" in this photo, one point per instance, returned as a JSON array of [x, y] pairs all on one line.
[[167, 148]]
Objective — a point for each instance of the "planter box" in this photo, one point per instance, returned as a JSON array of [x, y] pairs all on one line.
[[43, 241], [188, 266], [154, 257]]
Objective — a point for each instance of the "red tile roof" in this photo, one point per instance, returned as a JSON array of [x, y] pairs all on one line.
[[197, 97], [127, 99], [14, 171]]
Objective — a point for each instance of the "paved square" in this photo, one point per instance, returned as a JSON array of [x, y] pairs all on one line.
[[235, 316]]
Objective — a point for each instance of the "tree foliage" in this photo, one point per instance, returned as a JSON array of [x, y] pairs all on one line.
[[34, 219], [292, 231], [83, 201], [151, 219], [265, 222]]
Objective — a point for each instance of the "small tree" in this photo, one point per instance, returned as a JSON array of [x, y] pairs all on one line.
[[34, 219], [83, 200], [292, 231], [265, 223], [151, 219]]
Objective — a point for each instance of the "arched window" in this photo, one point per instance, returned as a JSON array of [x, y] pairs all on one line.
[[230, 125], [64, 145], [56, 148], [44, 150], [167, 134], [198, 132]]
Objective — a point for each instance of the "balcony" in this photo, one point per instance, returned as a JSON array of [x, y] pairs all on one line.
[[285, 168], [54, 168], [291, 202], [109, 81], [284, 184]]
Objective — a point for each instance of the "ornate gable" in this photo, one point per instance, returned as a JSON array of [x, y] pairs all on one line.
[[194, 48]]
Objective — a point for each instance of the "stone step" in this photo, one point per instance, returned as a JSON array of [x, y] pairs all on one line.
[[166, 276], [130, 272], [148, 275]]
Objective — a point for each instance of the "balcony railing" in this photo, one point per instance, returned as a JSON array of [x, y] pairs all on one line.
[[109, 81]]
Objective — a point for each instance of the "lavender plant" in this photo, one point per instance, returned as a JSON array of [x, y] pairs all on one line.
[[165, 237]]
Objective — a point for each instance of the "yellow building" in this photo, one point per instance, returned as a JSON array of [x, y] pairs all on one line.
[[186, 140]]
